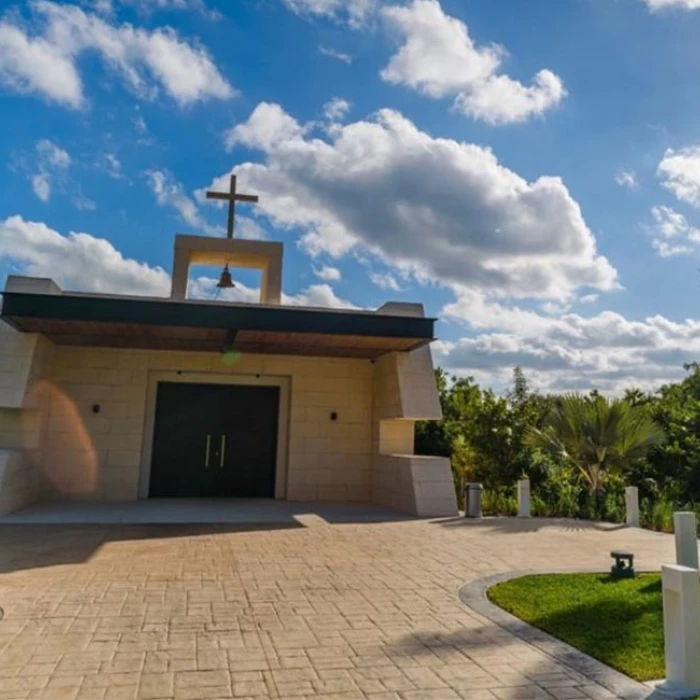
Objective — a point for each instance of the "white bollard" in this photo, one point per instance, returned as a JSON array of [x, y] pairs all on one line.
[[686, 531], [681, 629], [632, 506], [524, 498]]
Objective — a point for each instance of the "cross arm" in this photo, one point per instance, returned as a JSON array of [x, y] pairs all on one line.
[[234, 197]]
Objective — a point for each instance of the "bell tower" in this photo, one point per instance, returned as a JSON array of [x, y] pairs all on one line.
[[235, 253], [229, 252]]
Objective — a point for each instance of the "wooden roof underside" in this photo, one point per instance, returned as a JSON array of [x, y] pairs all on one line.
[[133, 335]]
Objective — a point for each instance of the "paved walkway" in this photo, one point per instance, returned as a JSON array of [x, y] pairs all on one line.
[[331, 611]]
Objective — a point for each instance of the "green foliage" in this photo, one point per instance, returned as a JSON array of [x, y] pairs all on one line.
[[618, 622], [596, 435], [484, 433], [579, 452], [499, 502]]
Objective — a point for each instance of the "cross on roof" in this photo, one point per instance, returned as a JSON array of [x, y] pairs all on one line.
[[232, 196]]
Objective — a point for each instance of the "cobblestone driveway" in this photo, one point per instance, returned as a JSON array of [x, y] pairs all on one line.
[[326, 611]]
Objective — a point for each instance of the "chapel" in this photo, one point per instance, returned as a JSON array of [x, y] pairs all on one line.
[[107, 397]]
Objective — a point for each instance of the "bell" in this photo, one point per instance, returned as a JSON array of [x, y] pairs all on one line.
[[225, 281]]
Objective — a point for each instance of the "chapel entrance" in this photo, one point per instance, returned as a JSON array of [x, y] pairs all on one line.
[[214, 441]]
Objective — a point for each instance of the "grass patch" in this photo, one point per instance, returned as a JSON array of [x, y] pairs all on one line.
[[617, 622]]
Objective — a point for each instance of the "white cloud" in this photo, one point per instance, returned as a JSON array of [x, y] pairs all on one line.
[[330, 274], [334, 53], [140, 125], [627, 179], [41, 186], [77, 261], [53, 155], [112, 165], [385, 281], [336, 109], [150, 6], [83, 203], [170, 193], [439, 59], [268, 127], [589, 298], [318, 295], [679, 172], [656, 5], [36, 65], [51, 160], [435, 208], [567, 352], [672, 234], [353, 12], [44, 61]]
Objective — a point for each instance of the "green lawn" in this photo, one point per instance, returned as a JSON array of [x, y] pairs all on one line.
[[618, 622]]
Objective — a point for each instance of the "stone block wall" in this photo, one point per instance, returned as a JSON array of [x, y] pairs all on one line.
[[415, 484], [24, 361], [405, 391], [98, 456]]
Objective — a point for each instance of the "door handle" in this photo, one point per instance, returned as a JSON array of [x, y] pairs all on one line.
[[207, 450], [223, 451]]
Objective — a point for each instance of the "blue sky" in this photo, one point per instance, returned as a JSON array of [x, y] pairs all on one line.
[[528, 170]]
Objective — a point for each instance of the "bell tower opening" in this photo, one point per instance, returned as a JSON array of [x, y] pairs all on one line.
[[228, 255]]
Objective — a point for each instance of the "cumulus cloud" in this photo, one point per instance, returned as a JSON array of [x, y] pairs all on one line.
[[440, 59], [269, 127], [336, 109], [567, 352], [679, 172], [434, 208], [672, 234], [353, 12], [627, 179], [41, 58], [77, 261], [328, 273]]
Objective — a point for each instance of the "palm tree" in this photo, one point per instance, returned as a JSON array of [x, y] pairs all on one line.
[[598, 436]]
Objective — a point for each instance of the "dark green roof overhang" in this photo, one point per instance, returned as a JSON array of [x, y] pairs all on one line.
[[66, 318]]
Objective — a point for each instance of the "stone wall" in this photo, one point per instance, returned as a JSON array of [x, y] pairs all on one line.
[[405, 391], [98, 456], [24, 361]]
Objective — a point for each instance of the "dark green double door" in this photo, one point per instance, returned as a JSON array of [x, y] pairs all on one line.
[[214, 441]]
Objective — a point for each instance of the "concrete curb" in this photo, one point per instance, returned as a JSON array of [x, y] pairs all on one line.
[[473, 595]]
